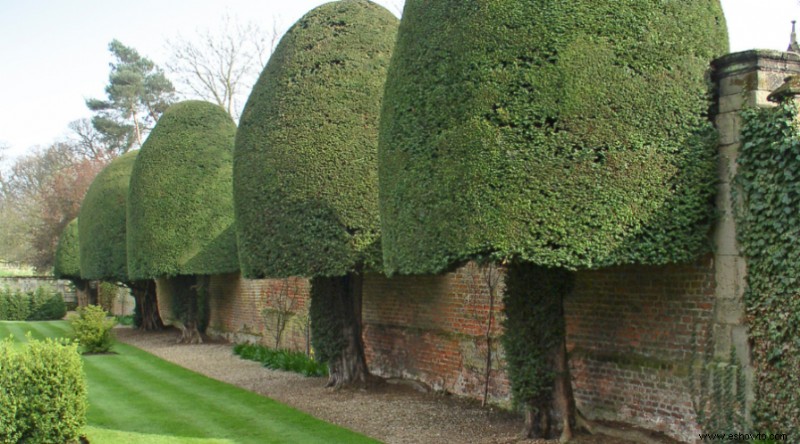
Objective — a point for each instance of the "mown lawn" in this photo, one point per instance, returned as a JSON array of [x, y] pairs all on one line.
[[135, 397]]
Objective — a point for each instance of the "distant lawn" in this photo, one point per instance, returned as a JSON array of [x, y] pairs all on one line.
[[135, 397]]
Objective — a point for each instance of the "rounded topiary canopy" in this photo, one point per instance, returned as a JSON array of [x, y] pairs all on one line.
[[565, 133], [180, 201], [305, 165], [103, 243], [67, 262]]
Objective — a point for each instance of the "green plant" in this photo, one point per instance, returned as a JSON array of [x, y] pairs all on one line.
[[102, 233], [14, 305], [107, 294], [43, 397], [282, 359], [768, 187], [180, 200], [124, 320], [567, 133], [46, 305], [67, 260], [92, 328], [305, 169]]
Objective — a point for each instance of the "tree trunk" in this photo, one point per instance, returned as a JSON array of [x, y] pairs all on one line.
[[336, 321], [534, 339], [186, 300], [92, 293], [554, 416], [147, 317], [82, 290]]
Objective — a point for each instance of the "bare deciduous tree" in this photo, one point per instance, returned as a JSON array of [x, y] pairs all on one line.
[[222, 65]]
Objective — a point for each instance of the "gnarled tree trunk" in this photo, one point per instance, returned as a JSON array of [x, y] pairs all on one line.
[[535, 343], [187, 300], [336, 328], [147, 317]]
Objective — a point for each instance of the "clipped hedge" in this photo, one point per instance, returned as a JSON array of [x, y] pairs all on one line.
[[43, 396], [768, 185], [568, 134], [42, 304], [305, 166], [103, 227], [67, 261], [180, 200]]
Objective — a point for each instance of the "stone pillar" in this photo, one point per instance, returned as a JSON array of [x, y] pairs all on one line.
[[744, 79]]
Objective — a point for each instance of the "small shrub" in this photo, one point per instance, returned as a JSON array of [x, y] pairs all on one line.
[[14, 305], [46, 305], [42, 392], [124, 320], [281, 359], [92, 329], [40, 305]]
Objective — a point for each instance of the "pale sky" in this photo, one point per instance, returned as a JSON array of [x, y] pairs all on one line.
[[54, 53]]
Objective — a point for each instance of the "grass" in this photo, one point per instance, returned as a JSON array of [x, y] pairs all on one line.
[[8, 270], [135, 397]]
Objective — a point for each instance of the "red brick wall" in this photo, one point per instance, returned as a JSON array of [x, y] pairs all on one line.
[[432, 329], [245, 310], [632, 334]]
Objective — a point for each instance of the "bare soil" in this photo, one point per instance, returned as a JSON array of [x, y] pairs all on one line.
[[391, 413]]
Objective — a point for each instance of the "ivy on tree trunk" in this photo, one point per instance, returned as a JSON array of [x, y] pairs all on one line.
[[191, 299], [336, 328], [535, 344]]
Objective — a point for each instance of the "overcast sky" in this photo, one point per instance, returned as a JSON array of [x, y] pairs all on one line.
[[54, 53]]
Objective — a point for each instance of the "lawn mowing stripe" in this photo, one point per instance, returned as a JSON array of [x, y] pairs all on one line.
[[229, 401], [39, 329], [17, 329], [121, 385], [185, 398], [266, 413], [42, 329]]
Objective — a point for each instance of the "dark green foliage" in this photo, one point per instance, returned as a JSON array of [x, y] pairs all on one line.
[[180, 201], [14, 305], [327, 315], [566, 133], [305, 167], [41, 304], [67, 262], [43, 396], [281, 359], [768, 185], [190, 300], [46, 305], [103, 242], [533, 327]]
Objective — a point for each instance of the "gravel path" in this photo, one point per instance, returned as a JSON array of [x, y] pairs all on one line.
[[394, 414]]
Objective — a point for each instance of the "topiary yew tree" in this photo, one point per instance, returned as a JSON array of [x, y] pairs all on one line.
[[103, 247], [305, 169], [180, 208], [67, 263], [556, 134]]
